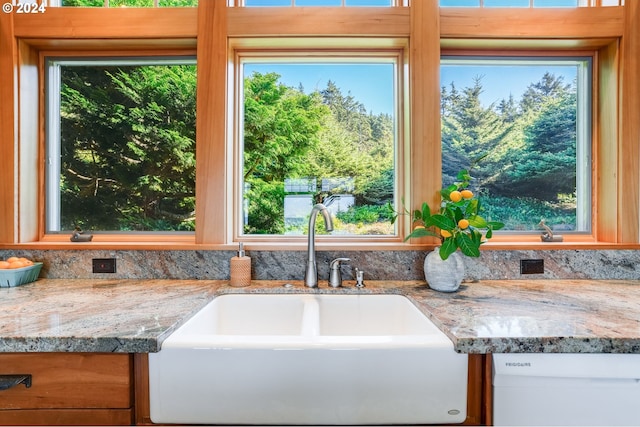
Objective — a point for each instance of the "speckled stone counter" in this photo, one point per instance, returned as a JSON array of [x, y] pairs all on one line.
[[134, 316]]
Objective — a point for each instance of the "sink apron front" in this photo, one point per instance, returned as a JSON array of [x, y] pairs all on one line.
[[348, 360]]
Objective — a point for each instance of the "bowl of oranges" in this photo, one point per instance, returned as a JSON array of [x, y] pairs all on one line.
[[16, 271]]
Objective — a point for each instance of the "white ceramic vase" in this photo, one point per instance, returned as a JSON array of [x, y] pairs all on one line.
[[443, 275]]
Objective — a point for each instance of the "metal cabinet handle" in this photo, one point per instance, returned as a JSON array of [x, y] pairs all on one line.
[[9, 381]]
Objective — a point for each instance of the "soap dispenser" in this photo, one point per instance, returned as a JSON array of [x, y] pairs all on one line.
[[240, 269]]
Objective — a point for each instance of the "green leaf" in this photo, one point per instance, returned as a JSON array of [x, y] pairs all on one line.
[[426, 212], [463, 175], [442, 222], [495, 225], [467, 245], [420, 232], [391, 212], [472, 207], [477, 221], [476, 237], [448, 247], [489, 233], [457, 214]]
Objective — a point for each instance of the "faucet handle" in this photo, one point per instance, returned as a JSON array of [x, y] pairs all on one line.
[[335, 263], [335, 275]]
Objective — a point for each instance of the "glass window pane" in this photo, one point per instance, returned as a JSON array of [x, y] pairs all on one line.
[[555, 3], [121, 146], [131, 3], [506, 3], [318, 2], [530, 120], [83, 3], [316, 132], [264, 3], [517, 3], [459, 3], [368, 3], [177, 3]]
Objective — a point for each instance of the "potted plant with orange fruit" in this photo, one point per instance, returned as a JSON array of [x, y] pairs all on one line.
[[458, 225]]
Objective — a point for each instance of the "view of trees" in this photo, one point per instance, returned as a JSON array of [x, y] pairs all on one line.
[[325, 134], [528, 171], [130, 3], [128, 147], [128, 150]]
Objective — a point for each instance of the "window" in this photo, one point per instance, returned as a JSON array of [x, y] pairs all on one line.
[[120, 144], [301, 3], [529, 119], [529, 3], [318, 130], [125, 3]]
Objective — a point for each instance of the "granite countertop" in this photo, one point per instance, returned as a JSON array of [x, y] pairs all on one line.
[[134, 316]]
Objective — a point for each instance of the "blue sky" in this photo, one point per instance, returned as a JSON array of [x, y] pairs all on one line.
[[499, 82], [510, 3], [362, 81]]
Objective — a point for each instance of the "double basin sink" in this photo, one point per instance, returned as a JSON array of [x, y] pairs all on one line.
[[308, 359]]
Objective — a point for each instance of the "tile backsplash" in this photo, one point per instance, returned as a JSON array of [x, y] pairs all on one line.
[[290, 265]]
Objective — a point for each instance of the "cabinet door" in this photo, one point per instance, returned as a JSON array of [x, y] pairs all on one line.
[[67, 386]]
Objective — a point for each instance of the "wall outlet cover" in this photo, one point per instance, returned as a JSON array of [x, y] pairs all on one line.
[[104, 265], [531, 266]]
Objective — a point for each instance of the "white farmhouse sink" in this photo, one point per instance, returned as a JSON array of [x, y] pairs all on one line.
[[308, 359]]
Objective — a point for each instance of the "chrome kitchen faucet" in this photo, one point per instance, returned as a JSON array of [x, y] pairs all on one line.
[[311, 274]]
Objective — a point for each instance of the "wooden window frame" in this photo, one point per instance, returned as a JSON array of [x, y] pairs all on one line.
[[395, 49], [44, 57], [510, 53], [610, 31]]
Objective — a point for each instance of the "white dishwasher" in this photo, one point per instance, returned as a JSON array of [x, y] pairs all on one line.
[[566, 389]]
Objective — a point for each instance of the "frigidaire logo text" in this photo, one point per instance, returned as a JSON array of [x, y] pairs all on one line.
[[518, 364]]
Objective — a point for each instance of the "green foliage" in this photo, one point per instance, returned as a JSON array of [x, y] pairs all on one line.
[[470, 130], [128, 151], [289, 134], [529, 148], [518, 212], [365, 214], [458, 220], [130, 3], [266, 207], [281, 128], [128, 147]]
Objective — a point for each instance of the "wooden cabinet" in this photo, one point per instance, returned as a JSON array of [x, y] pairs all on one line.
[[99, 389], [68, 388]]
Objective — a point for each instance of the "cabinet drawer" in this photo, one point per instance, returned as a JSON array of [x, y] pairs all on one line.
[[68, 380]]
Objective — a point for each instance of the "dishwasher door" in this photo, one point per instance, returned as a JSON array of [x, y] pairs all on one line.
[[566, 389]]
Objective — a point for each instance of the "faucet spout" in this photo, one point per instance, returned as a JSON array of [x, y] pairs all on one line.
[[311, 273]]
